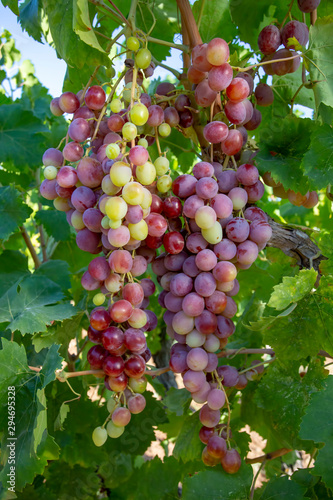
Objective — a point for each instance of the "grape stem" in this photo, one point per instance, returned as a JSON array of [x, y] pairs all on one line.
[[255, 480], [101, 5], [30, 246], [286, 16], [268, 456], [179, 46], [119, 12], [221, 387], [157, 142], [165, 66], [242, 70], [255, 366]]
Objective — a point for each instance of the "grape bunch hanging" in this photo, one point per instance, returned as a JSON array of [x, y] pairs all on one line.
[[197, 230]]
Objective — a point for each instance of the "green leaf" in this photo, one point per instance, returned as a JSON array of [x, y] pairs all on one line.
[[318, 160], [307, 329], [70, 252], [22, 139], [285, 88], [63, 412], [220, 22], [31, 306], [188, 445], [29, 398], [60, 334], [57, 271], [283, 394], [177, 400], [30, 18], [283, 488], [12, 4], [82, 25], [13, 212], [320, 52], [13, 267], [55, 224], [69, 46], [283, 144], [218, 485], [62, 481], [77, 79], [291, 290], [317, 426]]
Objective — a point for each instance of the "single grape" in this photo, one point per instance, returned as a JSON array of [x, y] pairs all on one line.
[[269, 39], [217, 52], [295, 29], [220, 77], [132, 43], [95, 97], [99, 436], [113, 430], [231, 461], [264, 94]]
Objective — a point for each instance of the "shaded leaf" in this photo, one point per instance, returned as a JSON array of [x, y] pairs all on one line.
[[318, 160], [55, 224], [220, 22], [177, 400], [57, 271], [188, 445], [13, 212], [60, 334], [283, 488]]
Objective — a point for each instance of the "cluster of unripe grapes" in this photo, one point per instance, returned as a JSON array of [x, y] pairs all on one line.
[[307, 200], [223, 233]]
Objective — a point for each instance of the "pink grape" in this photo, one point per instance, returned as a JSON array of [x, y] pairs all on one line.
[[235, 112], [116, 123], [247, 174], [90, 172], [113, 365], [52, 157], [214, 132], [196, 242], [201, 395], [225, 327], [206, 323], [255, 192], [269, 39], [175, 262], [134, 340], [231, 462], [121, 311], [88, 282], [194, 381], [67, 177], [233, 143], [121, 416], [182, 324], [216, 399], [92, 219], [177, 362], [204, 95], [206, 260], [99, 268], [191, 205], [199, 57], [73, 151], [238, 90], [206, 188], [260, 232], [156, 115], [249, 110], [87, 241], [237, 229], [133, 293], [238, 197], [255, 121], [295, 29], [209, 417], [119, 237], [112, 339], [225, 250], [193, 304], [197, 359], [136, 404], [139, 266], [203, 168], [216, 303], [212, 362], [96, 356], [264, 94], [190, 268], [173, 303], [234, 291], [195, 76], [184, 186], [248, 78], [157, 224], [181, 284], [171, 116], [222, 205], [227, 180], [68, 102], [216, 445], [220, 77], [247, 252], [79, 130], [308, 5], [217, 51], [224, 271], [228, 374], [120, 261], [48, 189], [95, 97], [205, 284]]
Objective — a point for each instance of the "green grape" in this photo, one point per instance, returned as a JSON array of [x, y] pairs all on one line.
[[61, 204], [105, 222], [108, 186], [110, 72], [146, 173], [143, 142], [143, 58], [147, 199], [139, 231], [161, 165], [133, 193], [77, 220], [111, 404], [214, 234], [99, 299], [112, 151], [138, 384], [164, 130], [113, 430], [164, 183], [116, 208], [114, 224], [116, 105], [99, 436], [139, 114], [132, 43], [129, 131], [50, 172], [120, 173]]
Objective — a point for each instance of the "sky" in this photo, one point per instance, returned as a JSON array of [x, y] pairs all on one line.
[[50, 70]]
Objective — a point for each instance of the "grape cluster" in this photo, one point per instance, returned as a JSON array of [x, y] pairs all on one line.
[[307, 200], [199, 281]]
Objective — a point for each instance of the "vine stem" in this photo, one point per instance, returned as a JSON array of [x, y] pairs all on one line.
[[189, 21], [119, 12], [255, 480], [30, 247], [268, 456], [286, 16], [242, 70], [101, 5], [178, 46]]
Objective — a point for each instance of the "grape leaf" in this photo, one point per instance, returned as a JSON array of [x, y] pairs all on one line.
[[320, 52], [69, 46], [283, 144], [55, 224], [13, 212], [282, 487], [22, 137], [82, 483], [188, 445], [292, 336], [60, 334], [30, 18], [82, 25], [69, 251], [12, 4], [317, 426], [292, 289], [57, 271], [283, 394], [13, 267], [29, 397], [177, 400], [285, 87], [217, 484], [32, 305], [220, 22], [318, 160]]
